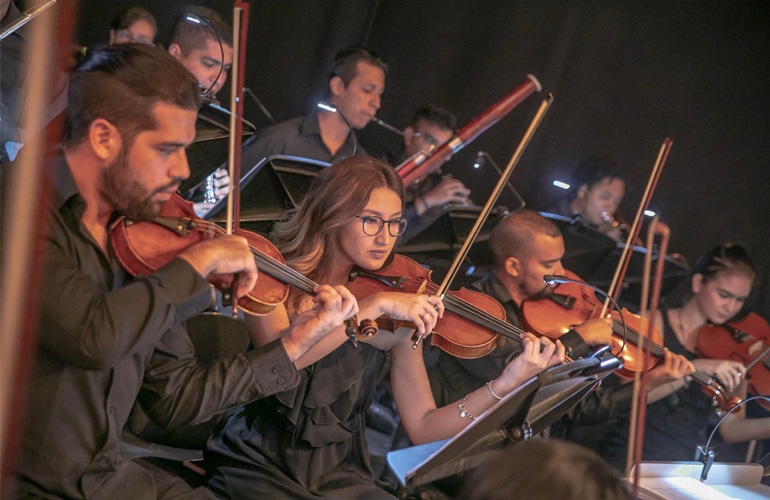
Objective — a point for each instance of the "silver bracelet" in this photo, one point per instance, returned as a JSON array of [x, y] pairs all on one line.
[[489, 386], [461, 409]]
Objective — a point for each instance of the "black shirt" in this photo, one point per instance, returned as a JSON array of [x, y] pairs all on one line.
[[105, 338], [301, 137]]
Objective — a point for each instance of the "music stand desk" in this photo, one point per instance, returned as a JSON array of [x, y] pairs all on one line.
[[524, 412], [681, 480]]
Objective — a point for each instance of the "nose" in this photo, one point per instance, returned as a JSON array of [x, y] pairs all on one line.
[[383, 238], [558, 268], [376, 101], [180, 169]]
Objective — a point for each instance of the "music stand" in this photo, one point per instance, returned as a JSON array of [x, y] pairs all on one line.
[[437, 245], [209, 151], [674, 271], [521, 414], [269, 188]]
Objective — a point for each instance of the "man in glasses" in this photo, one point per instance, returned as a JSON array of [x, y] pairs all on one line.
[[430, 128]]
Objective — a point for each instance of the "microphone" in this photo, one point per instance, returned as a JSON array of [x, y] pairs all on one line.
[[556, 279], [207, 96], [481, 158], [333, 109], [706, 456]]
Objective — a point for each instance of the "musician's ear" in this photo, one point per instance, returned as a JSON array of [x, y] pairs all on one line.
[[105, 139], [175, 50], [582, 191], [513, 266], [696, 283], [336, 86]]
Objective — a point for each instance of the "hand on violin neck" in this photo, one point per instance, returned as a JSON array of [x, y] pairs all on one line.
[[223, 257], [530, 361], [595, 331], [333, 305], [673, 367], [728, 373], [421, 310]]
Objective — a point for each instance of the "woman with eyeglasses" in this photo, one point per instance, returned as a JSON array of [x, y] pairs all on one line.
[[310, 441], [133, 25]]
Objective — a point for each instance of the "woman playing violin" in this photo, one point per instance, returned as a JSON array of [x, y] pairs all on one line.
[[719, 286], [310, 441]]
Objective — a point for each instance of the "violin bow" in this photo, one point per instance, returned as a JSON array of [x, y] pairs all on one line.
[[23, 243], [240, 35], [501, 183]]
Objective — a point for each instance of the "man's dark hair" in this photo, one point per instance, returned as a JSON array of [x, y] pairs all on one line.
[[190, 35], [129, 16], [121, 84], [593, 170], [435, 115], [345, 63]]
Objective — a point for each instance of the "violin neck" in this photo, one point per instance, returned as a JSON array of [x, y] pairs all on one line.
[[283, 273]]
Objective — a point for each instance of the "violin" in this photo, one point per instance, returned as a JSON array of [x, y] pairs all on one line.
[[473, 322], [144, 246], [571, 304], [746, 340]]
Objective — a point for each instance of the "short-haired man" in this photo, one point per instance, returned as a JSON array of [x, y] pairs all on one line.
[[356, 83], [429, 128], [526, 246], [597, 188], [105, 338]]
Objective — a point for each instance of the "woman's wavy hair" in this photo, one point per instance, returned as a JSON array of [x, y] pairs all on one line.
[[307, 234]]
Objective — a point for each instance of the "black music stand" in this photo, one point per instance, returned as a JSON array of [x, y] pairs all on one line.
[[521, 414], [268, 189], [209, 151], [674, 271], [437, 245]]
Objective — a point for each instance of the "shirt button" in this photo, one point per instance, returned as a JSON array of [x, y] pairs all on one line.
[[281, 380], [276, 369]]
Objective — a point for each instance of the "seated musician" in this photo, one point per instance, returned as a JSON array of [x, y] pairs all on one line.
[[526, 246], [720, 284], [105, 338], [430, 128], [197, 47], [134, 24], [310, 441], [597, 187], [356, 83]]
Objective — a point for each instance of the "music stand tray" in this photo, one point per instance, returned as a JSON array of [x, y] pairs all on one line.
[[681, 480], [269, 188], [521, 414]]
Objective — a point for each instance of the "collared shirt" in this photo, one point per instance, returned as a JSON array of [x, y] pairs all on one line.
[[105, 339], [301, 137]]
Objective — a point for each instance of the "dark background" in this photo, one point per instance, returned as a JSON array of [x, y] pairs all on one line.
[[624, 74]]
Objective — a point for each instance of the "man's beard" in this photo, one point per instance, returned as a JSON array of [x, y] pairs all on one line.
[[127, 196]]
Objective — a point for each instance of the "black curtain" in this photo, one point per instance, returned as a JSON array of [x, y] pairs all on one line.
[[625, 75]]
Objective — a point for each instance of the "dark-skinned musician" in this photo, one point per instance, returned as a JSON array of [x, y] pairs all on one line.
[[104, 338], [526, 246]]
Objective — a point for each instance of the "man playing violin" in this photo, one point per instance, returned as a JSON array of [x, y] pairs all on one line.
[[526, 246], [105, 338]]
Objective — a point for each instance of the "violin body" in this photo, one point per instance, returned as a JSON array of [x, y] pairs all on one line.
[[747, 341], [142, 247], [456, 333], [571, 304]]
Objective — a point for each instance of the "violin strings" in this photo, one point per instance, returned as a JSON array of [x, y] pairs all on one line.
[[270, 266]]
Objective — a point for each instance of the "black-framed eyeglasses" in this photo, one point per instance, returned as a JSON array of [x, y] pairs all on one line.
[[372, 225]]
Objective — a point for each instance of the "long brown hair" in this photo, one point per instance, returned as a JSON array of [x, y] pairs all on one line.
[[306, 235]]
